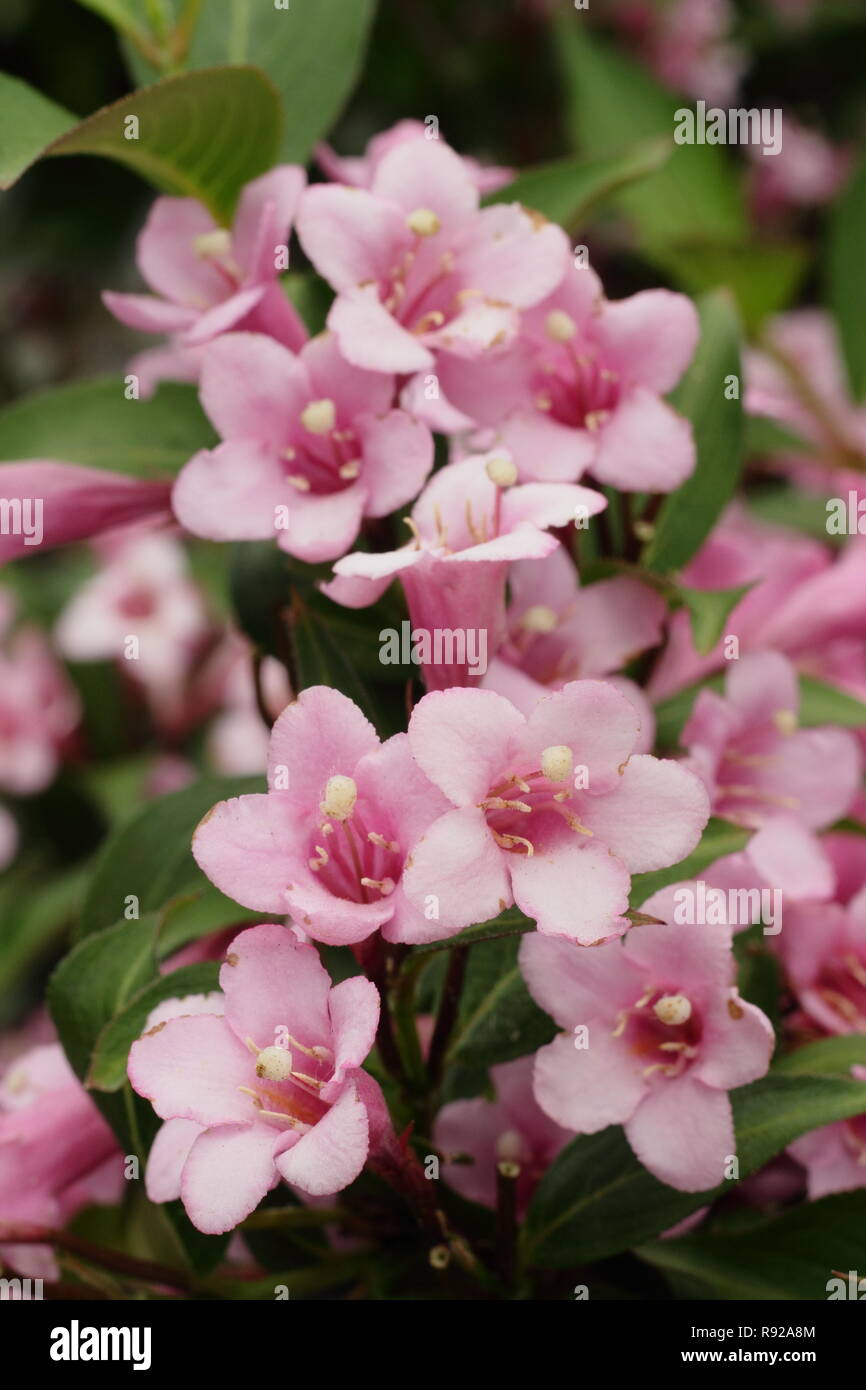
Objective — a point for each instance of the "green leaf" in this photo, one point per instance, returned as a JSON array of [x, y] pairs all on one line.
[[762, 276], [35, 910], [498, 1020], [688, 515], [788, 1256], [830, 1056], [709, 610], [569, 190], [846, 277], [28, 122], [321, 658], [107, 1070], [312, 51], [719, 838], [94, 982], [825, 704], [197, 913], [150, 858], [766, 436], [596, 1199], [202, 134], [793, 509], [695, 195], [92, 423]]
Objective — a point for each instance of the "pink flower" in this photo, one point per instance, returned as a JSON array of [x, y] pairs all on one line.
[[419, 270], [804, 602], [142, 608], [57, 1154], [781, 858], [558, 632], [328, 840], [551, 811], [360, 171], [61, 502], [512, 1127], [582, 387], [667, 1036], [237, 740], [834, 1156], [823, 949], [754, 760], [208, 279], [806, 171], [311, 446], [38, 708], [271, 1089], [468, 525]]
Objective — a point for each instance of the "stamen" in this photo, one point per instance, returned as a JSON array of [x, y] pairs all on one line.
[[255, 1098], [274, 1064], [499, 803], [540, 618], [508, 841], [376, 839], [350, 470], [307, 1080], [322, 858], [673, 1009], [384, 885], [213, 245], [423, 222], [413, 527], [341, 793], [319, 417], [557, 762], [501, 471], [785, 721], [428, 322], [298, 482], [560, 326], [287, 1119]]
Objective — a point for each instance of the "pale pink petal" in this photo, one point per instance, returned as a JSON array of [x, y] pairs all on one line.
[[645, 446], [398, 456], [654, 816], [168, 1153], [253, 388], [371, 338], [272, 982], [191, 1068], [353, 1006], [683, 1132], [333, 1153], [650, 337], [351, 236], [736, 1045], [322, 527], [427, 174], [456, 869], [587, 1089], [243, 847], [265, 213], [233, 492], [460, 739], [594, 720], [573, 985], [228, 1172], [148, 314], [167, 256], [77, 503], [322, 734], [571, 889]]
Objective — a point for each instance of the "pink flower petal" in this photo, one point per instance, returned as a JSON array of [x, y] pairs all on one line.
[[228, 1172], [191, 1068], [587, 1089], [333, 1153], [683, 1132]]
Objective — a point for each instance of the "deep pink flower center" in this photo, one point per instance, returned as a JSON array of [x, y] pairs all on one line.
[[526, 810], [664, 1048], [321, 464], [842, 986], [286, 1080], [356, 858], [578, 390], [137, 603]]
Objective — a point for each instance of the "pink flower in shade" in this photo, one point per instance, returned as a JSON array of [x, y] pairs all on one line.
[[558, 632], [511, 1128], [311, 447], [667, 1037], [274, 1086], [75, 502], [823, 950], [804, 602], [237, 740], [467, 529], [207, 279], [685, 44], [551, 811], [782, 857], [754, 761], [57, 1154], [807, 171], [142, 590], [582, 387], [360, 171], [38, 707], [834, 1156], [328, 841], [418, 268]]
